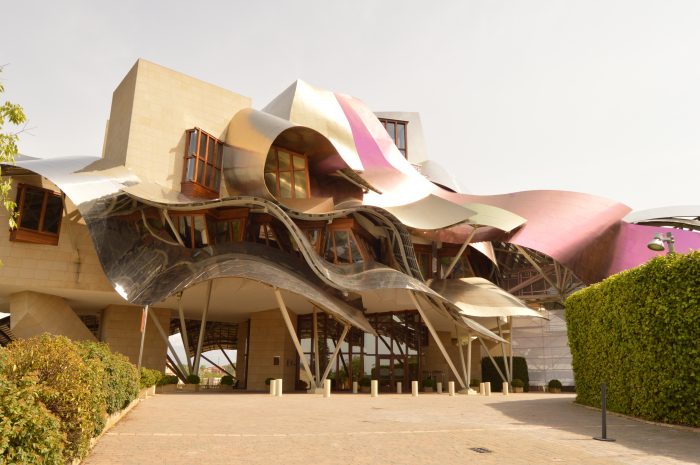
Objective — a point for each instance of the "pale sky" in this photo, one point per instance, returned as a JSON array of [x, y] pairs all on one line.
[[594, 96]]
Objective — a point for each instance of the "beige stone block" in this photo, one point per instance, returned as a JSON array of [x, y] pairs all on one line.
[[33, 314]]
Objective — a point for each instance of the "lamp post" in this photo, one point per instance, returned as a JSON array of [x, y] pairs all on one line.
[[658, 243]]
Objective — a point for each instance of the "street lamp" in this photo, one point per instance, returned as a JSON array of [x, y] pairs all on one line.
[[657, 244]]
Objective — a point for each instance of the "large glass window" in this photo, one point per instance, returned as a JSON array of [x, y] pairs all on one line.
[[397, 132], [39, 213], [287, 174], [192, 229], [203, 161]]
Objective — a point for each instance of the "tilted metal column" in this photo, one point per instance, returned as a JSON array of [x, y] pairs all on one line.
[[295, 339], [335, 354], [144, 323], [436, 338], [183, 332], [202, 328]]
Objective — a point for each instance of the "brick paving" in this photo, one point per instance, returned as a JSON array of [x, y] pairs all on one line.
[[231, 428]]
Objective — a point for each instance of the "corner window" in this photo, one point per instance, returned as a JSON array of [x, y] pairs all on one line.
[[39, 215], [287, 174], [397, 131], [347, 243], [202, 171]]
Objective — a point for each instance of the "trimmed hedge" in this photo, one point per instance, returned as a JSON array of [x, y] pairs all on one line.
[[638, 332], [121, 379], [150, 377], [490, 374]]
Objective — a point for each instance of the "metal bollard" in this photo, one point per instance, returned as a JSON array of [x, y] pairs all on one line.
[[451, 388], [399, 388], [354, 387], [439, 387], [505, 389], [327, 388], [414, 388], [482, 389], [487, 388], [374, 387], [604, 424]]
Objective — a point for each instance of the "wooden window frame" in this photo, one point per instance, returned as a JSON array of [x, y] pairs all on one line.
[[292, 170], [193, 187], [36, 236], [354, 231], [395, 136]]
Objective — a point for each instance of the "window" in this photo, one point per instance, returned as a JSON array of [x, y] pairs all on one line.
[[287, 174], [202, 171], [228, 225], [192, 229], [39, 215], [397, 132], [347, 242]]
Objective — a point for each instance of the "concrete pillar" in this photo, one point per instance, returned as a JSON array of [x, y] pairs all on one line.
[[482, 389], [398, 387], [505, 389], [273, 387], [414, 388], [487, 388], [327, 388], [374, 388], [354, 387], [278, 390], [451, 388], [439, 387]]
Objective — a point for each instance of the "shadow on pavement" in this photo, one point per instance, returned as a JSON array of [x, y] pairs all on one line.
[[563, 414]]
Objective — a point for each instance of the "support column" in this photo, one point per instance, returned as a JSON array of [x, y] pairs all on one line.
[[459, 254], [461, 355], [295, 339], [335, 354], [162, 333], [500, 373], [144, 322], [469, 361], [183, 332], [202, 329], [436, 338], [317, 362], [503, 350], [510, 343]]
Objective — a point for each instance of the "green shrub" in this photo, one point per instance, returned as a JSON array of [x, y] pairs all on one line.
[[474, 382], [517, 383], [490, 374], [69, 386], [227, 380], [150, 377], [167, 379], [554, 384], [121, 379], [365, 381], [267, 381], [637, 332], [428, 383], [30, 433], [192, 379]]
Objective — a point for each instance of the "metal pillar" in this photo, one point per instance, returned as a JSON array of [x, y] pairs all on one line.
[[317, 362], [503, 350], [436, 338], [500, 373], [293, 334], [459, 254], [510, 343], [461, 355], [217, 366], [233, 365], [144, 322], [469, 361], [162, 333], [335, 354], [202, 329], [183, 332]]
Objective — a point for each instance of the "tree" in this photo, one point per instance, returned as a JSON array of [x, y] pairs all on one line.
[[13, 115]]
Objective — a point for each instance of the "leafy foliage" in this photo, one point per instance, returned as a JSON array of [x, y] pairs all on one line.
[[69, 386], [11, 114], [121, 380], [29, 433], [517, 383], [227, 380], [554, 384], [150, 377], [638, 332], [428, 383], [168, 379], [365, 381], [193, 379], [490, 374]]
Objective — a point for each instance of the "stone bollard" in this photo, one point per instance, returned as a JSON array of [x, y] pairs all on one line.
[[374, 388], [451, 388], [327, 388], [354, 387], [505, 389], [439, 387], [487, 388], [273, 387], [414, 388], [482, 389], [399, 388], [278, 391]]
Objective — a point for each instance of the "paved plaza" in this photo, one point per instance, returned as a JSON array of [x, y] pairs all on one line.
[[228, 428]]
